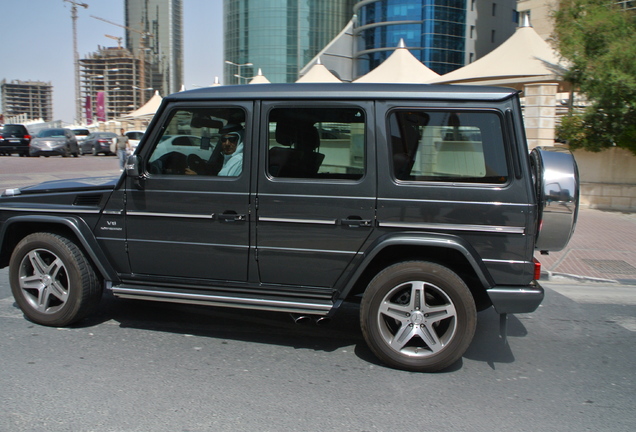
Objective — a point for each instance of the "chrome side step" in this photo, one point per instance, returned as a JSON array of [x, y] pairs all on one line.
[[315, 307]]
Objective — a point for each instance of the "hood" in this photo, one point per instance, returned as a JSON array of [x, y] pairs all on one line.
[[80, 184]]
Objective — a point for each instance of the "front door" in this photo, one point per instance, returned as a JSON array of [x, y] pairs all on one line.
[[189, 218]]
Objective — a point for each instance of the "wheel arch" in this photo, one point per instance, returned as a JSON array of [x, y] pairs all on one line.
[[447, 250], [16, 228]]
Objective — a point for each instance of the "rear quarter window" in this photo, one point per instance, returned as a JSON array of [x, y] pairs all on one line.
[[448, 146]]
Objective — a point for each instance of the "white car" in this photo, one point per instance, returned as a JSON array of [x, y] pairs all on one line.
[[134, 136]]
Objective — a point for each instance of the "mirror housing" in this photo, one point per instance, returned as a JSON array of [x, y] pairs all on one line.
[[132, 166]]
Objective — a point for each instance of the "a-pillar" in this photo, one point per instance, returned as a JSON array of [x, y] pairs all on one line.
[[540, 113]]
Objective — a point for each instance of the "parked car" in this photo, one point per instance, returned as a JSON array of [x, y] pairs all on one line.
[[98, 142], [426, 210], [14, 138], [54, 142], [134, 136], [80, 135]]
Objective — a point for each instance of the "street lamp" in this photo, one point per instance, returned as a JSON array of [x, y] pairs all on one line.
[[239, 66]]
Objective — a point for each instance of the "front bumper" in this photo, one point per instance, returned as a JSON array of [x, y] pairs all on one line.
[[57, 151], [516, 299]]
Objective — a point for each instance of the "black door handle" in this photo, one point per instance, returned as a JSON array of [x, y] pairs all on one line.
[[355, 221], [232, 217]]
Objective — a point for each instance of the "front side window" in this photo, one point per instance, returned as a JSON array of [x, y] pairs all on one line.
[[448, 146], [201, 141], [317, 143]]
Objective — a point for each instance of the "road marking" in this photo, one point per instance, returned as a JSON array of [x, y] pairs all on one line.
[[628, 323], [602, 294]]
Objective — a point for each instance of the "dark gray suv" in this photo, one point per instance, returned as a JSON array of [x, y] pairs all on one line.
[[422, 202]]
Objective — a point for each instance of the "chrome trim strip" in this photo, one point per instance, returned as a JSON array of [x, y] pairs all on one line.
[[495, 261], [113, 212], [188, 243], [454, 227], [171, 215], [318, 308], [40, 210], [286, 249], [490, 203], [305, 221], [316, 196]]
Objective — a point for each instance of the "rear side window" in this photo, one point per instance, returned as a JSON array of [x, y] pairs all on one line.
[[316, 143], [448, 146]]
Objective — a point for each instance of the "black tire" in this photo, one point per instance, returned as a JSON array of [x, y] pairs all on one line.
[[52, 281], [418, 316]]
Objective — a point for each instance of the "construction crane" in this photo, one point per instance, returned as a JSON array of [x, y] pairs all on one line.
[[143, 42], [118, 39], [78, 102]]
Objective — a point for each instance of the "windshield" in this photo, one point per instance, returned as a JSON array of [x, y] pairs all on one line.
[[51, 133]]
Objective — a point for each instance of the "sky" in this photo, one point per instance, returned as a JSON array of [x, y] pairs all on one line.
[[37, 42]]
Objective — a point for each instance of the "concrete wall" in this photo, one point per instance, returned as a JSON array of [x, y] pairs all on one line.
[[608, 179]]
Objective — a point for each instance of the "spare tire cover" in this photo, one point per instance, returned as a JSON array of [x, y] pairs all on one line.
[[557, 188]]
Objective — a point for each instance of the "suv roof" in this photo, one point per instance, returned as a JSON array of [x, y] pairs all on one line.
[[336, 91]]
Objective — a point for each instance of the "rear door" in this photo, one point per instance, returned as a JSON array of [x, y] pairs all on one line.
[[316, 190]]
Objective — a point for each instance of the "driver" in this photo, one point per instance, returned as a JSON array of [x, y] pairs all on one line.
[[227, 157]]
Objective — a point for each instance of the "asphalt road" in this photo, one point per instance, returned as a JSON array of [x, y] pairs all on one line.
[[145, 366]]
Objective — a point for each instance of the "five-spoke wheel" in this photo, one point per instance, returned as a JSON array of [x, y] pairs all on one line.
[[52, 281], [418, 316]]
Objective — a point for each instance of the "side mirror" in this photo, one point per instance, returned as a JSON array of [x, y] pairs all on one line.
[[132, 166]]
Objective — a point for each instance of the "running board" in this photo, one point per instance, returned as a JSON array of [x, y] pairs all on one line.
[[315, 307]]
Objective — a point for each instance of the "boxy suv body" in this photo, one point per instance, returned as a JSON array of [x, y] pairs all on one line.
[[14, 138], [422, 201]]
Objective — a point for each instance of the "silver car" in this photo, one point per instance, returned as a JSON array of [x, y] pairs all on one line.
[[54, 142]]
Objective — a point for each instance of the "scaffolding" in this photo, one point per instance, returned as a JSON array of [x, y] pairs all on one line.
[[121, 77], [30, 99]]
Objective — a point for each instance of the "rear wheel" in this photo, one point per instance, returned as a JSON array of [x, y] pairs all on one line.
[[418, 316], [52, 281]]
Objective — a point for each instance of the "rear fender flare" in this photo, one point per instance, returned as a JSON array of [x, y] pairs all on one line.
[[434, 240]]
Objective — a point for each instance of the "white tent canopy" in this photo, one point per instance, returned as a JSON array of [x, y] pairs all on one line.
[[259, 78], [400, 67], [524, 58], [148, 109], [318, 73]]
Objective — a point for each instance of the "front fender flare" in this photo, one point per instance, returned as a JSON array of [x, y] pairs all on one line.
[[81, 230]]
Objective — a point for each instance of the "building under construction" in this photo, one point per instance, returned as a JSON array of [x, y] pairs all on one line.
[[33, 99], [113, 83]]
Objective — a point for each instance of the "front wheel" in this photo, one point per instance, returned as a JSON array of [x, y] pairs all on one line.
[[418, 316], [52, 281]]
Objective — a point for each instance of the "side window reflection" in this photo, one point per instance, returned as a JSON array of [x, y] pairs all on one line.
[[201, 141]]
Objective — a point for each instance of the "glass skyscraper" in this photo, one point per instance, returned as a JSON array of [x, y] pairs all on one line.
[[156, 28], [433, 30], [278, 36]]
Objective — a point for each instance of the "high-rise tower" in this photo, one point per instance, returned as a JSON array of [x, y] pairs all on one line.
[[278, 36], [156, 30]]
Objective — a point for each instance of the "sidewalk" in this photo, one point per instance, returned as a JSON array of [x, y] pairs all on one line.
[[603, 248]]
